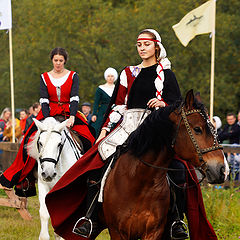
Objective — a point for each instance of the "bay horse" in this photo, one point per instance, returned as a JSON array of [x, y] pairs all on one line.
[[55, 151], [136, 193]]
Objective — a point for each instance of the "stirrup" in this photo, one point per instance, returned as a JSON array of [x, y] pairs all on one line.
[[176, 222], [86, 220]]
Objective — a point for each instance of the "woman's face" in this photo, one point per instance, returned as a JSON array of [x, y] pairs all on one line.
[[23, 115], [146, 49], [110, 78], [7, 115], [58, 63]]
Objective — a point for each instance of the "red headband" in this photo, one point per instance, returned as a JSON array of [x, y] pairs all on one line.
[[149, 39]]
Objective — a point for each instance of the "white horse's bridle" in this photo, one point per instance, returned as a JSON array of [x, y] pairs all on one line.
[[55, 161]]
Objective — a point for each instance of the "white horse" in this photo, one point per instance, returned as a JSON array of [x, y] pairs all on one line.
[[55, 151]]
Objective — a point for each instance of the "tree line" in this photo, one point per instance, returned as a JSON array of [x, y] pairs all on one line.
[[102, 33]]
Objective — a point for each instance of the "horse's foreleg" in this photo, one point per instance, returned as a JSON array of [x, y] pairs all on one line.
[[43, 212]]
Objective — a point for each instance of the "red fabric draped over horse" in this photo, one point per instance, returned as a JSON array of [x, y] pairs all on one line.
[[136, 196], [51, 106]]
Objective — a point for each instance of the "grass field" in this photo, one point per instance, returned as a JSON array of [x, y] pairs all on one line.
[[222, 206]]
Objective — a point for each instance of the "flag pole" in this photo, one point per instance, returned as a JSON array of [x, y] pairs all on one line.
[[212, 61], [11, 84]]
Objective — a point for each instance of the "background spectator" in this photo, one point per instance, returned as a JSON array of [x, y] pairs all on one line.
[[102, 98], [231, 131], [30, 111], [86, 110], [230, 135], [36, 109], [4, 118], [238, 118], [23, 117], [217, 123], [7, 133]]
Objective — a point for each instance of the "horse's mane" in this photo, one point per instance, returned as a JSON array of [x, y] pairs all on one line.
[[157, 130], [31, 147], [154, 133]]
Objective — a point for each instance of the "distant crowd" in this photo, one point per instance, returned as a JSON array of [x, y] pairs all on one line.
[[25, 120], [230, 134], [227, 134]]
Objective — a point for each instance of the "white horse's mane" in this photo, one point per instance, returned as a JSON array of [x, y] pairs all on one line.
[[49, 124]]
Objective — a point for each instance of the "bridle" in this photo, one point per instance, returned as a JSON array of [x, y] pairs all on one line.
[[40, 152], [199, 151]]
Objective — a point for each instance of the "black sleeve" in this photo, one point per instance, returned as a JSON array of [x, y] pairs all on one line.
[[28, 124], [44, 98], [74, 96], [171, 90]]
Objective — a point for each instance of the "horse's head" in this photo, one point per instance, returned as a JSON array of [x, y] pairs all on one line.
[[48, 144], [196, 139]]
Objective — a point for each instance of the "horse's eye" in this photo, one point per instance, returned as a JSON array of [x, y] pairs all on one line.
[[197, 130]]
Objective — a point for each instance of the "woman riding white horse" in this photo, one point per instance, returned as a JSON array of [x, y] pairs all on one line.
[[55, 151]]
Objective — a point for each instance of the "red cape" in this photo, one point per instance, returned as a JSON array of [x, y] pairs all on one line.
[[23, 164], [198, 224], [65, 202]]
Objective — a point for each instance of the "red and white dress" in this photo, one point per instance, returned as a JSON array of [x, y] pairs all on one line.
[[57, 97]]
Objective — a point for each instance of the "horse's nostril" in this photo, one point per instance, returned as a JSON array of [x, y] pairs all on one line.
[[43, 174], [54, 175]]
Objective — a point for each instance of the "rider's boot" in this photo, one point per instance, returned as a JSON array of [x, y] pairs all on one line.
[[178, 229], [89, 224]]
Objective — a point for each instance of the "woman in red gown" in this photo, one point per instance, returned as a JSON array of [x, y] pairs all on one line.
[[58, 96], [152, 84]]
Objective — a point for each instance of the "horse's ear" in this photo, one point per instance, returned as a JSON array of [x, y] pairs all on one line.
[[38, 124], [61, 126], [189, 100]]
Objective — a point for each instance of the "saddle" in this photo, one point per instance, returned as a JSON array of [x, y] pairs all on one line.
[[76, 137], [132, 118]]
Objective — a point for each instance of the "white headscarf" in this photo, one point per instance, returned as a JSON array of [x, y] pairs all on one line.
[[218, 122], [111, 71], [163, 54], [164, 63]]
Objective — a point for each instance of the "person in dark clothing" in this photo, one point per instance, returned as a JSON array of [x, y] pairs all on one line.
[[231, 135], [231, 131], [36, 109], [86, 110]]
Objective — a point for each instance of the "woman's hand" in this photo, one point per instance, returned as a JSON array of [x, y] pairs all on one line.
[[70, 121], [154, 102], [94, 118], [102, 135]]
